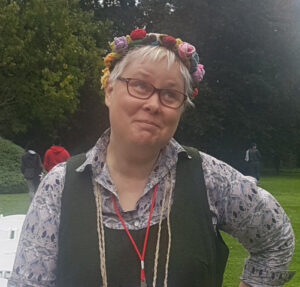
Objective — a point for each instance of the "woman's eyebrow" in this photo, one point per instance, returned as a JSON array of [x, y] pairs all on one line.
[[172, 85], [144, 75]]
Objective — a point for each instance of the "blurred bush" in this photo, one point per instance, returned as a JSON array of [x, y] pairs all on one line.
[[11, 178]]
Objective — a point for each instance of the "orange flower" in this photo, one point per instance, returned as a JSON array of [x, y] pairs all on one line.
[[109, 59], [104, 78]]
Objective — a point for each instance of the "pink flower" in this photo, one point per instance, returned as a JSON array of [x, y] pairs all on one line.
[[199, 73], [186, 50], [121, 44]]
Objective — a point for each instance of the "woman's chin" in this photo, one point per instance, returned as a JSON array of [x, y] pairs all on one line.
[[146, 140]]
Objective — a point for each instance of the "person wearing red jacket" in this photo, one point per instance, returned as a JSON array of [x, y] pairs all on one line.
[[55, 155]]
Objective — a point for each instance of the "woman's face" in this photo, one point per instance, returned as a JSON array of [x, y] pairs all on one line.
[[147, 122]]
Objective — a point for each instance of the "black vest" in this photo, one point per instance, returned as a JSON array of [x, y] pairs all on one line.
[[198, 254]]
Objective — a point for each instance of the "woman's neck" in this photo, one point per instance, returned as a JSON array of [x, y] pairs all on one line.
[[130, 169], [131, 162]]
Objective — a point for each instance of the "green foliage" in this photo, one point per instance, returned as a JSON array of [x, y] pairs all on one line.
[[252, 66], [204, 121], [252, 86], [11, 178], [50, 65], [51, 48], [125, 14], [14, 203]]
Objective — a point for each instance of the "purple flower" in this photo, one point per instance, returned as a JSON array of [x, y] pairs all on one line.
[[199, 73], [121, 44]]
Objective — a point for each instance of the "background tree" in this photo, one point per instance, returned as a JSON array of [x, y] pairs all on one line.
[[51, 49], [125, 14], [250, 51]]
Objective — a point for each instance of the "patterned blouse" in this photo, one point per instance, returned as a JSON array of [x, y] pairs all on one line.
[[238, 206]]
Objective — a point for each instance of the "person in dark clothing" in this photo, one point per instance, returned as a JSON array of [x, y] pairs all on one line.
[[31, 167], [253, 158], [55, 155]]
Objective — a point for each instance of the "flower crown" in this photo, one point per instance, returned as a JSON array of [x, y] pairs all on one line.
[[139, 37]]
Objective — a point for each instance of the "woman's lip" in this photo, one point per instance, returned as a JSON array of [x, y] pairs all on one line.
[[148, 122]]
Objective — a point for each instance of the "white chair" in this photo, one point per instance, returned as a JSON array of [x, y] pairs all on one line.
[[10, 230], [11, 226], [5, 233], [8, 246], [6, 264], [13, 219], [3, 282]]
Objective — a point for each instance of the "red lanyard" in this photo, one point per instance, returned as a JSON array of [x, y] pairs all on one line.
[[141, 256]]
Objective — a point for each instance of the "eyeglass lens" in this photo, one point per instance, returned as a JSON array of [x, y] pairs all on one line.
[[141, 89]]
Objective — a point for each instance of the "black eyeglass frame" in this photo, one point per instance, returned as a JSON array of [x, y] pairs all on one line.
[[127, 80]]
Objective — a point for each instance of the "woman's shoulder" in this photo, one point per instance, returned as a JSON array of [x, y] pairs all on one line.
[[216, 168], [213, 162]]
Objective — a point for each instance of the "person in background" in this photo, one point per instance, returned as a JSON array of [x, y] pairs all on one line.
[[32, 168], [55, 155], [140, 209], [253, 158]]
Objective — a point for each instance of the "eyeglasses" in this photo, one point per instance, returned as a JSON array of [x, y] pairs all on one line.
[[142, 90]]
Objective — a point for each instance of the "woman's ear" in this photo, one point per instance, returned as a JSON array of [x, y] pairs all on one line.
[[108, 94]]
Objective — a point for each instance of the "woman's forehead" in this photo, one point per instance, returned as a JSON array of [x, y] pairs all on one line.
[[157, 54], [149, 69], [145, 65]]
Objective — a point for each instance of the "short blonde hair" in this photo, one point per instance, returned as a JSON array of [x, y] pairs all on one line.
[[155, 53]]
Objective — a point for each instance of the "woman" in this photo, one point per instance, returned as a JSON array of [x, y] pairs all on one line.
[[141, 210]]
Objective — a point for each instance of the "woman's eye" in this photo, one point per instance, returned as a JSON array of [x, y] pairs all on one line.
[[140, 85], [170, 95]]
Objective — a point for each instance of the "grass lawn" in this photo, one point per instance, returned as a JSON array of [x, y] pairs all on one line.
[[285, 188], [14, 203]]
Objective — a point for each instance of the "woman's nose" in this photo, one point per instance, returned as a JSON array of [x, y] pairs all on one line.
[[153, 103]]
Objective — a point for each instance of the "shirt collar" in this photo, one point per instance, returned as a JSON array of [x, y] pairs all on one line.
[[96, 156], [97, 153]]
